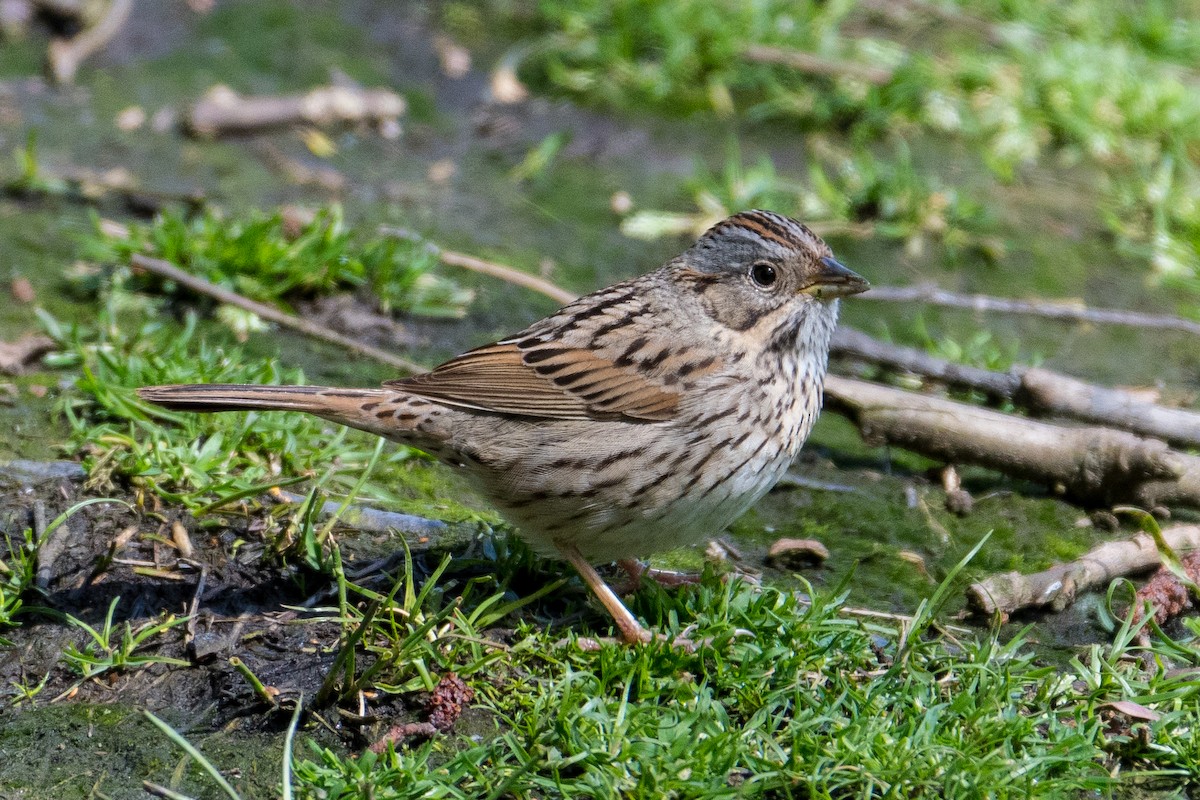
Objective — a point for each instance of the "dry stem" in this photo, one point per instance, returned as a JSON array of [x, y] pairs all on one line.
[[196, 284]]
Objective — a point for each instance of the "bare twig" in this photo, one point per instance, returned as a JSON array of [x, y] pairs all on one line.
[[365, 518], [811, 64], [489, 268], [851, 343], [223, 111], [1058, 586], [189, 630], [1050, 309], [1093, 465], [1040, 390], [51, 545], [65, 55], [34, 472], [1044, 391], [196, 284]]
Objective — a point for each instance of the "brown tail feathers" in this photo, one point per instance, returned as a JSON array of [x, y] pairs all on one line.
[[338, 405]]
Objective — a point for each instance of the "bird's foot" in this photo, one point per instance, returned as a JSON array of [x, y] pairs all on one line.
[[668, 578]]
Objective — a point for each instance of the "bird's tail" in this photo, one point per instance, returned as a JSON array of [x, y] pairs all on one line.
[[353, 407]]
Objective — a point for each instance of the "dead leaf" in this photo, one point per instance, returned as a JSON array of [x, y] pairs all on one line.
[[22, 290], [455, 59], [183, 542], [795, 553], [507, 87], [131, 118], [1133, 710], [16, 356]]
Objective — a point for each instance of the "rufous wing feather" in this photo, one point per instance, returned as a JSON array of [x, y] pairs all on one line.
[[547, 380]]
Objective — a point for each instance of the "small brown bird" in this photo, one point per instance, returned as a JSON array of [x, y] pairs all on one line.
[[640, 418]]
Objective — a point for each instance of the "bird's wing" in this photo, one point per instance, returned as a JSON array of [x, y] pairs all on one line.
[[546, 381], [608, 355]]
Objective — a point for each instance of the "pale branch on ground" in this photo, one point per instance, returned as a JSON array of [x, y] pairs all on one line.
[[490, 268], [1092, 465], [1057, 587], [1049, 309], [165, 269], [1041, 391], [65, 55], [92, 186], [223, 111]]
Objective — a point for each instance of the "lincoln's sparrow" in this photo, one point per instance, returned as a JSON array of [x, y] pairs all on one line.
[[640, 418]]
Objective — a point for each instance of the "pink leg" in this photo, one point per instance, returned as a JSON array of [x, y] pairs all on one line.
[[631, 631]]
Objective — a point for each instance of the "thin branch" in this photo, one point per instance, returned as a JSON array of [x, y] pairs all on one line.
[[65, 55], [489, 268], [856, 345], [811, 64], [1042, 391], [222, 111], [1093, 465], [1049, 309], [165, 269], [1057, 587]]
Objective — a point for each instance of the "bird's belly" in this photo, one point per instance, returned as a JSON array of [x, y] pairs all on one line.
[[629, 501]]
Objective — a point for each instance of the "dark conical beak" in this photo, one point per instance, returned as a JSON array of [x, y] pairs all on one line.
[[834, 280]]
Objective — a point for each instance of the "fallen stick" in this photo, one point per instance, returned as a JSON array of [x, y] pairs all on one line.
[[222, 110], [1092, 465], [65, 55], [854, 344], [489, 268], [1057, 587], [165, 269], [1049, 309], [1042, 391], [376, 520], [29, 472]]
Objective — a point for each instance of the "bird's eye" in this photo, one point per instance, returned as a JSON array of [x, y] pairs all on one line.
[[763, 274]]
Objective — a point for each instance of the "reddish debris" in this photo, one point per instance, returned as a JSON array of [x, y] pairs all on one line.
[[398, 733], [447, 701], [1169, 597]]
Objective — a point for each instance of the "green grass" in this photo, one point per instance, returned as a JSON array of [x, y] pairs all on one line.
[[112, 649], [786, 698], [272, 258], [191, 459]]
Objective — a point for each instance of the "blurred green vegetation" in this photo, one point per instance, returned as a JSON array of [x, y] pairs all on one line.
[[1109, 87]]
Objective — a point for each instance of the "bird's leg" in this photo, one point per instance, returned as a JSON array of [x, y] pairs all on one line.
[[631, 631], [636, 570]]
